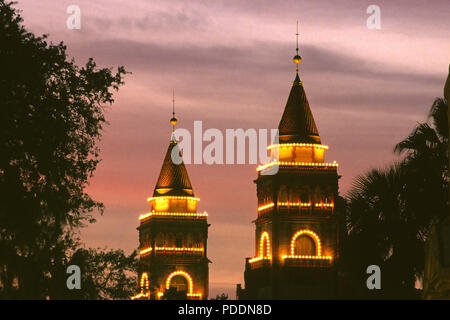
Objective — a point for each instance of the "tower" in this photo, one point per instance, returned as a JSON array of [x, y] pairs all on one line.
[[296, 229], [173, 235]]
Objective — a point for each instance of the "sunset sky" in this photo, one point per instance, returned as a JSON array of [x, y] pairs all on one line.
[[230, 63]]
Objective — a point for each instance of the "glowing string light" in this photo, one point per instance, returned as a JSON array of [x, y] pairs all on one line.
[[189, 280], [325, 205], [173, 197], [295, 204], [178, 249], [287, 145], [147, 250], [306, 164], [267, 206], [316, 238], [173, 214], [144, 287], [262, 255]]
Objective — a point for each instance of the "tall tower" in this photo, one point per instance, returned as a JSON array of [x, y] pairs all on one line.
[[173, 235], [296, 236]]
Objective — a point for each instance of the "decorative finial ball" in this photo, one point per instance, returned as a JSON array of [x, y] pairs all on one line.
[[297, 59], [173, 121]]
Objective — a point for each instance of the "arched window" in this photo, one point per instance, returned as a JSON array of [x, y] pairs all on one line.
[[328, 196], [304, 195], [160, 239], [283, 194], [180, 283], [198, 240], [294, 194], [305, 244], [179, 240], [190, 240], [317, 195], [170, 240]]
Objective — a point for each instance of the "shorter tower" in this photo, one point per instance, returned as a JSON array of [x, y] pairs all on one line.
[[173, 236]]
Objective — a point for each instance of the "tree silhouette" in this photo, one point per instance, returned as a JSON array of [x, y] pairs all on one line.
[[390, 211], [106, 274], [51, 117], [222, 296]]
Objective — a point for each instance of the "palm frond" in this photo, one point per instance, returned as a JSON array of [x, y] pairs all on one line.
[[439, 116]]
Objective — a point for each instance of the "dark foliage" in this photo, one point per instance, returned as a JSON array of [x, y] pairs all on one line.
[[389, 211], [51, 116]]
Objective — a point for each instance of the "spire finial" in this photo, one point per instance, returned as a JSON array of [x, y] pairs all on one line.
[[174, 120], [297, 59]]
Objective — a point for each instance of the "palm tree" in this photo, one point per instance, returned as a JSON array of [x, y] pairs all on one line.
[[380, 233], [426, 163], [390, 211]]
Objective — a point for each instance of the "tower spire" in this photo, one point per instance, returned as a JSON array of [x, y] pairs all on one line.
[[297, 59], [174, 120]]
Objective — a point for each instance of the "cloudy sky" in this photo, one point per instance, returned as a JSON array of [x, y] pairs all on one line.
[[230, 63]]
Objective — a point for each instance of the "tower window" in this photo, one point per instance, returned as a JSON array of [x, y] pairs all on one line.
[[305, 245], [283, 194], [304, 197], [180, 283]]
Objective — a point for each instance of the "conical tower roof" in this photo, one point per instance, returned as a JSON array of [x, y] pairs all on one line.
[[173, 179], [297, 123]]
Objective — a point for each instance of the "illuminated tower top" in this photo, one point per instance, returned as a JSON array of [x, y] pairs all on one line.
[[173, 191], [297, 124], [173, 178]]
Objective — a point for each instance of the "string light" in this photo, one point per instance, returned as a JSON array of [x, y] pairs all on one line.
[[285, 163], [316, 238], [285, 145], [147, 250], [140, 295], [295, 204], [326, 205], [144, 287], [258, 259], [270, 205], [267, 256], [173, 214], [189, 280], [178, 249], [308, 257], [144, 282], [312, 235], [173, 197]]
